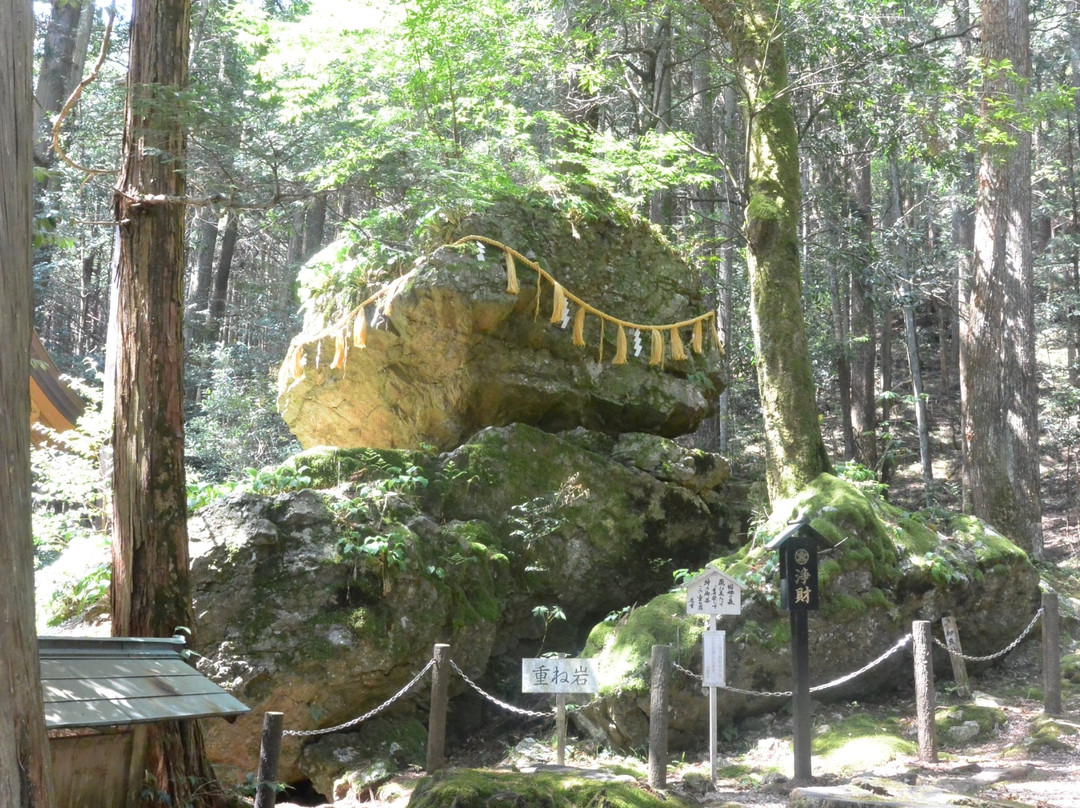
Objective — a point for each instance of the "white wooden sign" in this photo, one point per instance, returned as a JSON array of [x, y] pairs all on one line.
[[554, 675], [713, 592], [712, 668]]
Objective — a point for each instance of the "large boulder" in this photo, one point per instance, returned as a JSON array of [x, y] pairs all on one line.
[[323, 603], [450, 351], [883, 570]]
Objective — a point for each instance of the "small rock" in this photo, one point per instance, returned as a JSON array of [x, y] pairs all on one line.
[[962, 733]]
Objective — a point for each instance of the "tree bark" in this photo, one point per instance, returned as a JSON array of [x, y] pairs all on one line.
[[216, 315], [863, 337], [1000, 383], [151, 593], [57, 59], [897, 220], [315, 226], [795, 451], [25, 763]]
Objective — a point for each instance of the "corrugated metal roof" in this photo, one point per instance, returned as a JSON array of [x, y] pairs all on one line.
[[105, 681]]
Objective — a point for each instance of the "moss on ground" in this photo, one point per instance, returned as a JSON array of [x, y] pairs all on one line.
[[481, 788], [861, 741], [1047, 733], [986, 716]]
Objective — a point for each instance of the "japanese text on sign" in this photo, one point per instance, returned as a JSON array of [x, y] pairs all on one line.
[[554, 675], [712, 662], [713, 593]]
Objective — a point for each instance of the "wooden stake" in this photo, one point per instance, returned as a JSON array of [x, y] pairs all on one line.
[[658, 704], [560, 729], [956, 656], [269, 753], [800, 699], [440, 680], [1051, 637], [924, 691]]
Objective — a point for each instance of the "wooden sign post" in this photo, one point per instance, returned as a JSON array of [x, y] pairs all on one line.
[[559, 675], [798, 547], [713, 593]]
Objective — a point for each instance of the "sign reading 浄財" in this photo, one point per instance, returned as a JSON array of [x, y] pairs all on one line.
[[555, 675], [713, 592], [798, 547]]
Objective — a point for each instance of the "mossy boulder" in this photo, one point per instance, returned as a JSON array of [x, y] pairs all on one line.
[[587, 531], [485, 788], [883, 569], [323, 608], [323, 603], [450, 351]]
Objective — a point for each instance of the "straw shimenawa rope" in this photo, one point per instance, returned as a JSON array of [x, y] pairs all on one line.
[[351, 330]]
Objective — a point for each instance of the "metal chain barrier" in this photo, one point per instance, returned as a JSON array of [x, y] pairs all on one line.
[[301, 733], [1004, 650], [900, 644], [495, 701]]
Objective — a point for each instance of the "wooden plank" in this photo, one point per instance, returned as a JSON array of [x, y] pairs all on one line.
[[131, 687], [107, 712], [92, 771], [104, 668]]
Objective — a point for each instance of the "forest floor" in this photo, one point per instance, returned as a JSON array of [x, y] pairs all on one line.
[[1027, 758]]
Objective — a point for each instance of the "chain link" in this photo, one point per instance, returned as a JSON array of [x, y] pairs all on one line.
[[493, 700], [1004, 650], [901, 643], [302, 733]]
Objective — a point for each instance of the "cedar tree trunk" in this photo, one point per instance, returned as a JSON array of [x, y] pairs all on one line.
[[795, 451], [25, 770]]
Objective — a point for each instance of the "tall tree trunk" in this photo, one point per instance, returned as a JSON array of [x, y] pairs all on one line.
[[963, 210], [897, 220], [886, 463], [82, 46], [86, 292], [25, 763], [839, 291], [315, 226], [863, 337], [294, 258], [662, 204], [1073, 323], [732, 144], [216, 316], [1000, 384], [57, 58], [151, 592], [795, 451]]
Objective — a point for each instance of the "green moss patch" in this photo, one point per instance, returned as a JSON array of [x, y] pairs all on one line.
[[327, 466], [626, 645], [480, 788], [987, 718], [859, 742]]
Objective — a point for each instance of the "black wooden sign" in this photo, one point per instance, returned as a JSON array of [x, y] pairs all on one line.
[[798, 546]]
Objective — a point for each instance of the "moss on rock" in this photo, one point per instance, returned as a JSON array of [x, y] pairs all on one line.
[[625, 648]]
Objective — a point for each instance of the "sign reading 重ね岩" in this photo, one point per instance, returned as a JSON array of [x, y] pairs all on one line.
[[555, 675], [713, 592]]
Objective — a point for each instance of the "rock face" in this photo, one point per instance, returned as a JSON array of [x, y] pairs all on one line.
[[323, 604], [456, 352]]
